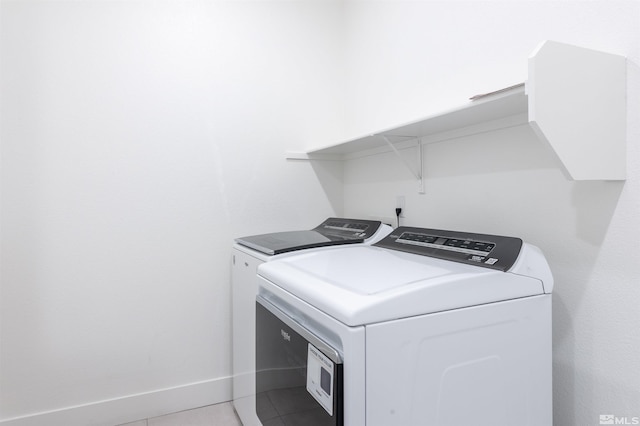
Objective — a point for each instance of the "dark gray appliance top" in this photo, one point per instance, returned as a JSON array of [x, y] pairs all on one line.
[[333, 231], [489, 251]]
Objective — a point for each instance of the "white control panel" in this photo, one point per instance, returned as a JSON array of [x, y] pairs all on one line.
[[320, 374]]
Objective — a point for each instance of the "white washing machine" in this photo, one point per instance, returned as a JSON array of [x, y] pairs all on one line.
[[248, 253], [426, 327]]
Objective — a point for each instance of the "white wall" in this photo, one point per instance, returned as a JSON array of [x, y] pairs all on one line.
[[410, 59], [139, 138]]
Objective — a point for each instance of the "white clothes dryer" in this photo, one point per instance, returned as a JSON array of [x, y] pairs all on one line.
[[426, 327], [248, 253]]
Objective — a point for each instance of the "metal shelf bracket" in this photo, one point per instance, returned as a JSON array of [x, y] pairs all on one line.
[[416, 170]]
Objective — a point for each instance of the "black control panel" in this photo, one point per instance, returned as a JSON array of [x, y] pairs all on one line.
[[348, 228], [489, 251]]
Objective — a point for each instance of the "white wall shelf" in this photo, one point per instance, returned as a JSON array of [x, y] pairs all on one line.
[[574, 99]]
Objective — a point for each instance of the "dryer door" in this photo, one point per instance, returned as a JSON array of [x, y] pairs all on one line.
[[298, 376]]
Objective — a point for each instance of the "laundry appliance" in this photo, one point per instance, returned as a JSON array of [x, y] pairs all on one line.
[[251, 251], [426, 327]]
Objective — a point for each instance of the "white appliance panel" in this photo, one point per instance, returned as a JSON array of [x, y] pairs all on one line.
[[243, 275], [484, 366]]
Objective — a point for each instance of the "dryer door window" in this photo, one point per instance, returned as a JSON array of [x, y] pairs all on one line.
[[298, 376]]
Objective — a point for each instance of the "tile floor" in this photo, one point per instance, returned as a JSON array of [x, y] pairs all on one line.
[[212, 415]]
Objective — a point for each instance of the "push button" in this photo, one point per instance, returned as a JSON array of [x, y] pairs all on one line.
[[479, 246], [454, 243]]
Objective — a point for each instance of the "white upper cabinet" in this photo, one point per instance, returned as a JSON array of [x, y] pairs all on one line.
[[577, 103]]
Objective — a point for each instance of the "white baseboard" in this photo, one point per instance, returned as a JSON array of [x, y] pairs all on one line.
[[133, 407]]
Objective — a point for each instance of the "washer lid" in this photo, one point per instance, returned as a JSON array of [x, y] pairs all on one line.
[[367, 272], [333, 231], [360, 285]]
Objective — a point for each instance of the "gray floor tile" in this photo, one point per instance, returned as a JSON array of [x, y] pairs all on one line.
[[138, 423], [212, 415]]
